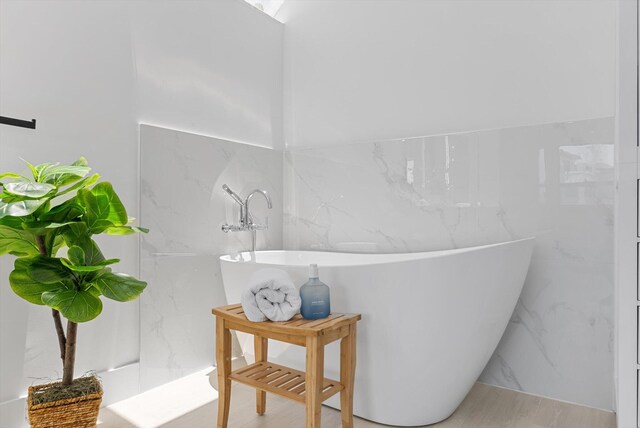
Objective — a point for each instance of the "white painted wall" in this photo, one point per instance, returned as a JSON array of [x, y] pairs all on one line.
[[89, 72], [212, 68], [363, 70]]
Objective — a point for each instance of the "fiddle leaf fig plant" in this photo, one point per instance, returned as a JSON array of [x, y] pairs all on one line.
[[61, 208]]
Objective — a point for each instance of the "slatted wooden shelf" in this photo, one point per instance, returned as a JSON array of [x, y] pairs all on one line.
[[281, 380], [310, 387]]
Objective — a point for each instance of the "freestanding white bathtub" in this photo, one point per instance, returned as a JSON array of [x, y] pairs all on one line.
[[430, 321]]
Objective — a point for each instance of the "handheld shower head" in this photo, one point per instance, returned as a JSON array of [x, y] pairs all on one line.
[[233, 194]]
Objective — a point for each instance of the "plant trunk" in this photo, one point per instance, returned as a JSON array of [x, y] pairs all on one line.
[[42, 247], [62, 341], [70, 353]]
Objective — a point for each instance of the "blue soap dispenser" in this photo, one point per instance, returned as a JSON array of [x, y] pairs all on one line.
[[315, 297]]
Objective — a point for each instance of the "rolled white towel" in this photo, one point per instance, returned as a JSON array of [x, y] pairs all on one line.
[[270, 294]]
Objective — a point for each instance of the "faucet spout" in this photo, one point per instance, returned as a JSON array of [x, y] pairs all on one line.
[[246, 203]]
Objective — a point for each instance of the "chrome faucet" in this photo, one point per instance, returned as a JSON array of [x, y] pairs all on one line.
[[246, 221], [247, 217]]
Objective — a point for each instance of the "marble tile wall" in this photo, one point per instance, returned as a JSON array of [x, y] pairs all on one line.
[[182, 202], [553, 181]]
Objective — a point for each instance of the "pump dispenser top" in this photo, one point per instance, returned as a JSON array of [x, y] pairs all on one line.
[[313, 271]]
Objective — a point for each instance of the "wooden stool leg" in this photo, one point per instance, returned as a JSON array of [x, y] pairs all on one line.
[[347, 376], [260, 345], [223, 367], [314, 380]]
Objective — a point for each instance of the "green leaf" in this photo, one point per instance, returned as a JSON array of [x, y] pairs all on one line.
[[20, 209], [76, 255], [12, 222], [9, 198], [42, 227], [75, 233], [88, 278], [47, 270], [28, 188], [64, 174], [86, 269], [82, 161], [54, 241], [81, 269], [59, 175], [42, 208], [67, 211], [16, 242], [120, 287], [28, 288], [74, 305], [41, 169], [125, 230], [93, 290], [78, 234], [77, 261], [77, 170], [11, 175], [85, 182], [103, 208], [94, 256], [33, 169]]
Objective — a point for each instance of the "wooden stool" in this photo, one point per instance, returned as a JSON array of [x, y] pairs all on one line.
[[311, 388]]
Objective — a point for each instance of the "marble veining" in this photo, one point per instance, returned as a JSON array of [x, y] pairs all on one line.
[[182, 202], [554, 181]]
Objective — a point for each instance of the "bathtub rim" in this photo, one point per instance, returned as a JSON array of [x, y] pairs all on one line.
[[414, 256]]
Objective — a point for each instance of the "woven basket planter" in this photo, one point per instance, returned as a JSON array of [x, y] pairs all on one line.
[[78, 412]]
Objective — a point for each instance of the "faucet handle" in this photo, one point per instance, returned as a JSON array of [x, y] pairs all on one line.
[[264, 226], [226, 228], [259, 227]]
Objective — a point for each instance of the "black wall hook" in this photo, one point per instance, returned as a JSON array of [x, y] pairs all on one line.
[[17, 122]]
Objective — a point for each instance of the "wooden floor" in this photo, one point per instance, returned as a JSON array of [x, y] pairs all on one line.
[[485, 407]]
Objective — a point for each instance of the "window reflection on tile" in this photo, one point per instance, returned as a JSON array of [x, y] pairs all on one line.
[[586, 174], [587, 163]]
